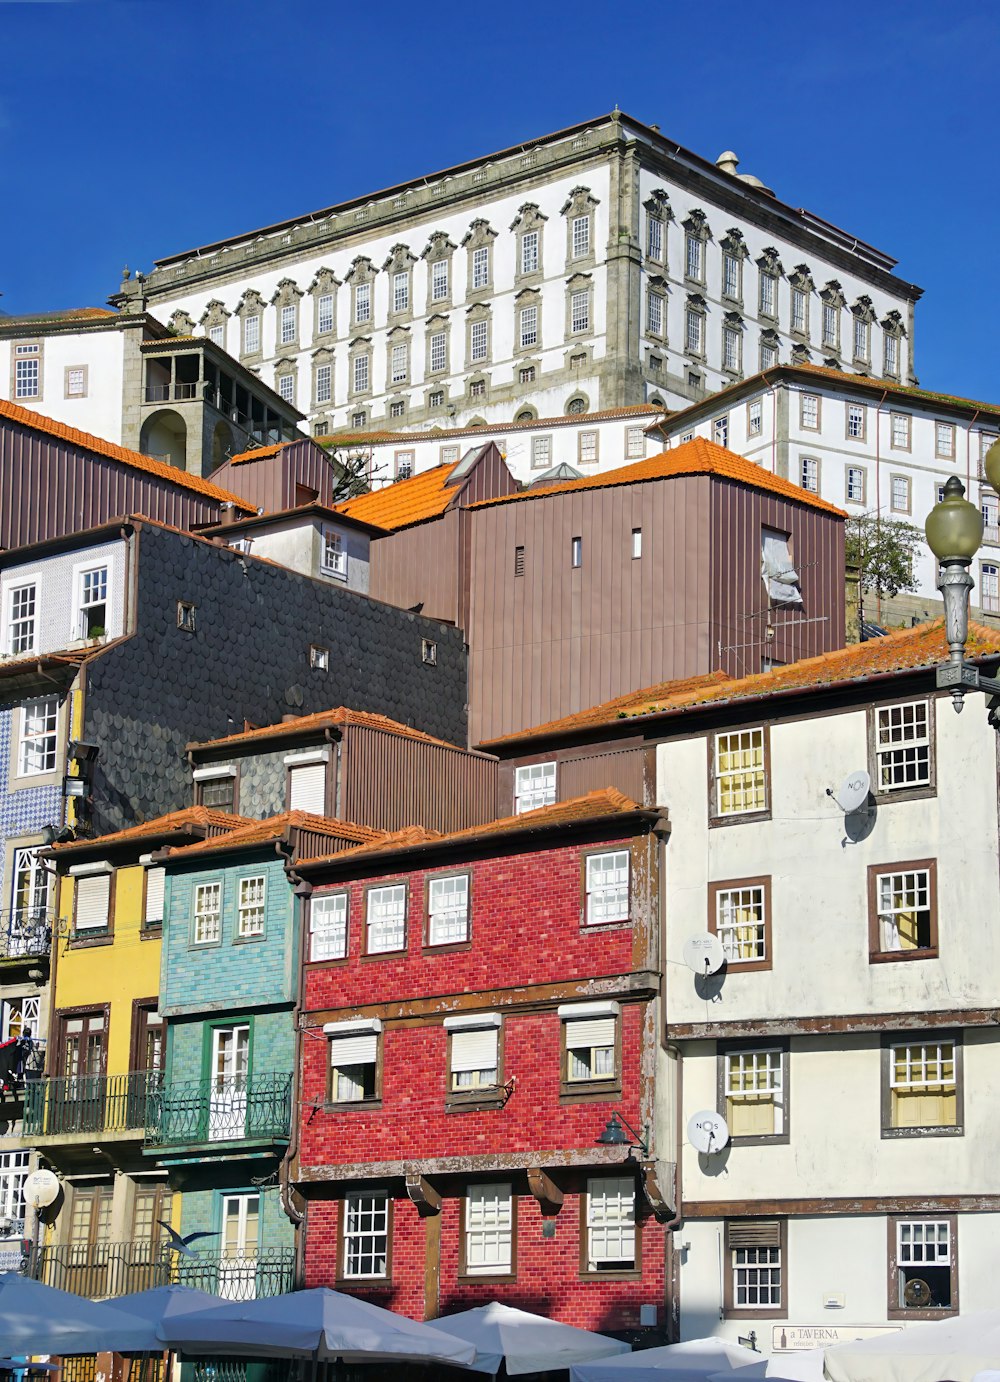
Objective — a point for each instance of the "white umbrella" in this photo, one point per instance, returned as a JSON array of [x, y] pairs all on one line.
[[317, 1324], [952, 1350], [801, 1365], [696, 1359], [526, 1342]]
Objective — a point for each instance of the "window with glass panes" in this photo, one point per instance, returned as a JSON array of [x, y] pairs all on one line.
[[21, 620], [740, 772], [944, 441], [899, 431], [216, 792], [989, 587], [923, 1085], [732, 348], [862, 333], [590, 1048], [207, 913], [720, 430], [20, 1017], [809, 473], [731, 275], [400, 291], [534, 786], [754, 1092], [809, 411], [287, 328], [358, 420], [526, 375], [831, 317], [900, 494], [654, 238], [489, 1222], [448, 909], [904, 901], [607, 887], [755, 418], [798, 310], [354, 1066], [286, 387], [856, 420], [250, 907], [400, 363], [654, 313], [635, 443], [693, 328], [438, 351], [360, 374], [541, 453], [581, 236], [528, 326], [363, 302], [481, 266], [903, 745], [328, 926], [579, 311], [854, 485], [324, 383], [366, 1235], [755, 1265], [37, 750], [741, 922], [891, 353], [31, 901], [251, 334], [439, 280], [152, 911], [587, 448], [324, 313], [768, 355], [334, 557], [13, 1174], [611, 1236], [767, 293], [217, 335], [529, 252], [692, 256], [76, 383], [474, 1058], [386, 919], [27, 367], [925, 1264], [479, 338]]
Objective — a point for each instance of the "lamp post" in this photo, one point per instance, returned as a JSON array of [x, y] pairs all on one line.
[[614, 1135], [954, 530]]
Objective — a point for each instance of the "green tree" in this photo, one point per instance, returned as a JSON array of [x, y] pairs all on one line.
[[883, 550]]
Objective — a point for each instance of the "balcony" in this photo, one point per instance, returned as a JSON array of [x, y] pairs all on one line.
[[257, 1108], [118, 1269], [89, 1104], [26, 933]]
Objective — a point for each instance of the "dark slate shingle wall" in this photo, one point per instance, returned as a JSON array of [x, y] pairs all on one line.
[[248, 659]]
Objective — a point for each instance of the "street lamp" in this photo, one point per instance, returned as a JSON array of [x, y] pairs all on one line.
[[614, 1135], [954, 530]]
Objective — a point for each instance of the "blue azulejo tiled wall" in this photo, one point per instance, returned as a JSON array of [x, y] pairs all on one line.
[[23, 810]]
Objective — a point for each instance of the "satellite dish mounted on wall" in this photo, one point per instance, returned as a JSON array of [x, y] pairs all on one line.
[[704, 954], [708, 1132], [41, 1189], [852, 792]]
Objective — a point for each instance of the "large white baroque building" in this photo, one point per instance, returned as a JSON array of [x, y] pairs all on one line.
[[599, 266]]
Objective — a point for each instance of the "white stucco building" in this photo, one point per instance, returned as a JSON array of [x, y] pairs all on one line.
[[598, 266]]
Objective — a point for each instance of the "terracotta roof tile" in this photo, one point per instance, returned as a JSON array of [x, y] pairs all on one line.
[[262, 453], [898, 390], [697, 457], [191, 818], [274, 827], [607, 803], [488, 429], [322, 719], [425, 495], [36, 422], [64, 314], [908, 650]]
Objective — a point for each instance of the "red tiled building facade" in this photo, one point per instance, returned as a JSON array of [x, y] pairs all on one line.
[[477, 1005]]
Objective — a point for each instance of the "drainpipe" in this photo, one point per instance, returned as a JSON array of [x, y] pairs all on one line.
[[672, 1304], [774, 423], [300, 889]]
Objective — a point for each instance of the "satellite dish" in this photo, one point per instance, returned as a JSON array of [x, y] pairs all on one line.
[[708, 1131], [41, 1189], [704, 954], [852, 792]]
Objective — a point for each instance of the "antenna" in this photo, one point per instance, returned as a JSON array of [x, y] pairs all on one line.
[[852, 792], [704, 954], [708, 1132]]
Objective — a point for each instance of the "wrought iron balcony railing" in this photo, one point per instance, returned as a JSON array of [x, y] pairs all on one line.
[[26, 932], [118, 1269], [258, 1107], [89, 1104]]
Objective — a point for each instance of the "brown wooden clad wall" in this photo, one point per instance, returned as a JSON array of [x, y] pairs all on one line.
[[557, 640], [620, 768], [270, 483], [50, 487], [740, 607], [390, 781], [421, 565]]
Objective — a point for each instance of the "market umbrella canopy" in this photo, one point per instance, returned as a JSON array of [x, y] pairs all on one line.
[[802, 1365], [318, 1323], [39, 1319], [165, 1302], [695, 1359], [526, 1342], [951, 1350]]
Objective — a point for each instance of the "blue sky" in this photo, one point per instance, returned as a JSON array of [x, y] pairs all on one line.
[[131, 129]]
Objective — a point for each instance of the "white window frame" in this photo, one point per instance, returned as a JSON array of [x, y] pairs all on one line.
[[38, 738], [635, 444], [607, 887], [22, 627], [857, 421], [362, 303], [530, 247], [288, 324], [611, 1224], [286, 387], [206, 913], [480, 267], [528, 326], [366, 1225], [534, 786], [731, 905], [903, 745], [654, 312], [579, 311], [385, 919], [489, 1229], [448, 909], [944, 441], [809, 474], [854, 493], [400, 363], [329, 915], [333, 560], [324, 383], [744, 743], [439, 280], [693, 256], [401, 291], [580, 236], [809, 412], [899, 431], [324, 314], [989, 587], [541, 452], [755, 418], [758, 1070], [251, 334], [899, 493], [438, 351], [479, 341], [361, 372], [251, 906]]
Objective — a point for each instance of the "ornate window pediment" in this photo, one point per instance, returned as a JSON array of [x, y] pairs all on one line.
[[832, 294], [864, 309], [323, 356], [696, 223], [438, 322], [769, 261], [658, 204], [658, 282], [250, 304], [479, 311], [734, 244], [215, 314], [892, 324], [696, 302], [400, 260], [324, 281], [801, 354], [529, 217], [770, 339], [439, 246], [287, 294], [479, 233], [181, 324], [577, 282], [362, 270], [529, 295], [581, 202], [734, 321], [801, 277], [398, 334]]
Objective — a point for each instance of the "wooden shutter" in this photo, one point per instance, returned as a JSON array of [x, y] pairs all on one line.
[[93, 901], [155, 879], [354, 1050], [307, 788], [475, 1050], [594, 1031], [754, 1233]]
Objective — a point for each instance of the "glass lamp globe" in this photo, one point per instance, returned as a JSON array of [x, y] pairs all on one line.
[[954, 527], [991, 465]]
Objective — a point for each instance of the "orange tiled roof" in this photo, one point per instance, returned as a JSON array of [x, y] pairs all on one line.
[[65, 314], [323, 719], [37, 422], [901, 390], [260, 832], [697, 457], [425, 495], [608, 802], [487, 429], [262, 453], [191, 818], [908, 650]]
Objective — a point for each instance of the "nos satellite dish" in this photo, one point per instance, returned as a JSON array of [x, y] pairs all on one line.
[[704, 954], [41, 1189], [852, 792], [708, 1131]]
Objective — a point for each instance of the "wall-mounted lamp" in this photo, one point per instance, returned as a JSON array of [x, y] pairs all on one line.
[[614, 1135]]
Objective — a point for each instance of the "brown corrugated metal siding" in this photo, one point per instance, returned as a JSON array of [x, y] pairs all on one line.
[[421, 565], [390, 782], [50, 487], [270, 483]]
